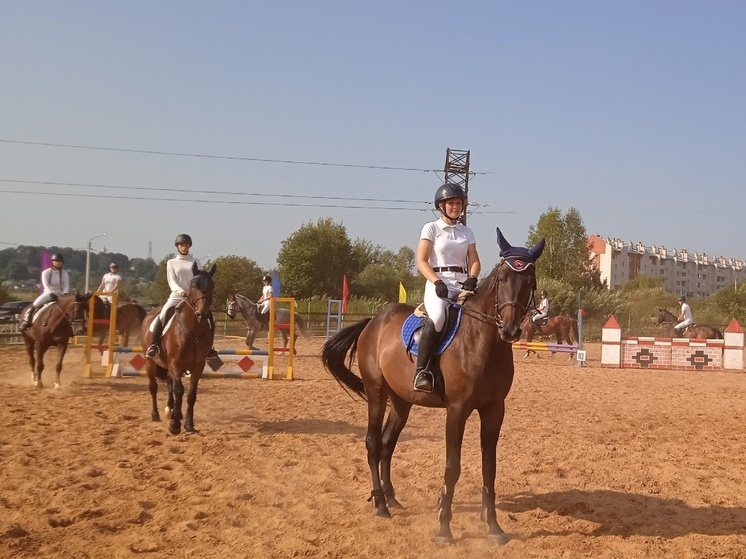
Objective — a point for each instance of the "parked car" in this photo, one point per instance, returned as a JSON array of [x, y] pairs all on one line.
[[9, 311]]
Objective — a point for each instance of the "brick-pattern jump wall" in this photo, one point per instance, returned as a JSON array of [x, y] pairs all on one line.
[[646, 353]]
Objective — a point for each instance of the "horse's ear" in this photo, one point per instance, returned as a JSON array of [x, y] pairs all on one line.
[[195, 268], [212, 269], [501, 242], [538, 248]]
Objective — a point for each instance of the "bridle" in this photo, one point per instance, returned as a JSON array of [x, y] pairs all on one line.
[[496, 320]]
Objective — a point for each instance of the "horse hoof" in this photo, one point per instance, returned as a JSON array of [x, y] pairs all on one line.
[[190, 429], [498, 539], [174, 430], [392, 503], [383, 513], [443, 540], [155, 417]]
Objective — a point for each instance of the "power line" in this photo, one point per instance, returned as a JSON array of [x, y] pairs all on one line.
[[227, 157], [197, 191], [208, 201]]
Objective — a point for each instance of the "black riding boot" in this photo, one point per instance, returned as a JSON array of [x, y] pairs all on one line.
[[155, 343], [28, 316], [423, 378]]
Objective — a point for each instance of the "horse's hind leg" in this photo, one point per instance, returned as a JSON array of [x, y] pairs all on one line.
[[491, 420], [395, 422], [373, 443]]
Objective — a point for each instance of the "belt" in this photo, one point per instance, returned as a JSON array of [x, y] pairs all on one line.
[[450, 269]]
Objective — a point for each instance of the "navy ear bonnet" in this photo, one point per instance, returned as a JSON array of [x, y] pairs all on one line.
[[518, 258]]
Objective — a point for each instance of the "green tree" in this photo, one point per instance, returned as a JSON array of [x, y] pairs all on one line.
[[236, 274], [567, 253], [159, 290], [314, 259]]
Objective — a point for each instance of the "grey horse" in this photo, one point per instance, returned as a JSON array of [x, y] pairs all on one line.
[[248, 309]]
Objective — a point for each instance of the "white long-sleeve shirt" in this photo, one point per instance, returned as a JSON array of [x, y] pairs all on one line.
[[55, 281], [179, 273]]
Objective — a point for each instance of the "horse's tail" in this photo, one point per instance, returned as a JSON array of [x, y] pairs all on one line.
[[576, 339], [300, 325], [335, 351], [141, 312], [718, 334]]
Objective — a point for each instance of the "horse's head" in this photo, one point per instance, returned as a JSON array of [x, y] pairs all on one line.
[[76, 311], [232, 306], [199, 296], [514, 285]]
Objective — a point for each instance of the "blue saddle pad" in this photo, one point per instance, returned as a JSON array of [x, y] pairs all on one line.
[[413, 322]]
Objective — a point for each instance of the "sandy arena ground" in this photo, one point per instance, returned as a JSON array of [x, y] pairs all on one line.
[[592, 463]]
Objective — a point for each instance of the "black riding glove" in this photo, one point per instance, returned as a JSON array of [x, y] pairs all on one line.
[[441, 289], [470, 284]]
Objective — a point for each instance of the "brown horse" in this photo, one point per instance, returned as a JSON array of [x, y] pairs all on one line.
[[476, 374], [563, 328], [695, 331], [238, 303], [185, 345], [129, 318], [54, 325]]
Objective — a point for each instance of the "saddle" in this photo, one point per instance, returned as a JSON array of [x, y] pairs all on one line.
[[410, 329], [541, 323]]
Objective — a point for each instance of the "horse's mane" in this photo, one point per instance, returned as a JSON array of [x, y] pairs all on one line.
[[202, 280], [669, 315]]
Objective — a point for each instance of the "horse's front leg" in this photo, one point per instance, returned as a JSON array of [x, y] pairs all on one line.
[[177, 390], [30, 350], [376, 413], [61, 350], [151, 369], [191, 399], [455, 422], [40, 350], [491, 419], [397, 419]]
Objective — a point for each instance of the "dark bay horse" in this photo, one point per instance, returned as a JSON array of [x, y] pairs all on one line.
[[563, 328], [129, 318], [695, 331], [185, 345], [238, 303], [477, 373], [54, 325]]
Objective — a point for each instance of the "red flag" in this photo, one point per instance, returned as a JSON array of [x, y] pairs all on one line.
[[345, 294]]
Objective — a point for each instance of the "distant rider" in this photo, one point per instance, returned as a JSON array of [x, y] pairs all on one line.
[[685, 317], [542, 311], [55, 282]]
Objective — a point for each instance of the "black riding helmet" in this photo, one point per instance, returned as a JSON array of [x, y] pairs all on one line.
[[447, 191], [183, 238], [58, 257], [267, 278]]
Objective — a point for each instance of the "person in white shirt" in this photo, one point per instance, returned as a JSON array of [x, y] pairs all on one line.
[[110, 282], [263, 304], [179, 275], [447, 257], [685, 317], [542, 309], [55, 282]]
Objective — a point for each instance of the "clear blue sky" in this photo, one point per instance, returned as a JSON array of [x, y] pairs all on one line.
[[632, 112]]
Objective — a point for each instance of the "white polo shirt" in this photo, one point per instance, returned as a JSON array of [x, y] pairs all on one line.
[[450, 243]]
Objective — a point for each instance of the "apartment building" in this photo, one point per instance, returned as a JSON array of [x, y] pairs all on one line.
[[684, 273]]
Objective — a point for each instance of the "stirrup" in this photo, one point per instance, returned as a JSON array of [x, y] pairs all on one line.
[[153, 351], [423, 381]]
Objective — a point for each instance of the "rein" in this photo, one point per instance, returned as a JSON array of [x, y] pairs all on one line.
[[496, 319]]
